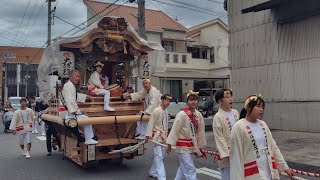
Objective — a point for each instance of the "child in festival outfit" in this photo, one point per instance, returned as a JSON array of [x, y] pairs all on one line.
[[223, 122], [188, 135], [22, 124], [254, 154], [157, 130]]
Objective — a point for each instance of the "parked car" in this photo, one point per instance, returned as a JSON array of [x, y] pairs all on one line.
[[175, 107], [15, 102], [207, 105], [7, 117]]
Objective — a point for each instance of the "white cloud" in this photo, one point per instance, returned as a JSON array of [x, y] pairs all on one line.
[[34, 31]]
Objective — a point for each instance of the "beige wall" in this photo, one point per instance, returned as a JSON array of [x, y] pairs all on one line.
[[179, 34], [280, 61], [155, 37], [217, 37]]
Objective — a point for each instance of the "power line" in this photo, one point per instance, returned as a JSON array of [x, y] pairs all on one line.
[[67, 22], [34, 22], [162, 8], [29, 19], [185, 7], [213, 1], [12, 39], [90, 18], [23, 17], [13, 34], [69, 31], [192, 5]]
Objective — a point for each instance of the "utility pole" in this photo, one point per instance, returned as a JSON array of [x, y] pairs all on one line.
[[27, 77], [18, 79], [49, 21], [141, 19]]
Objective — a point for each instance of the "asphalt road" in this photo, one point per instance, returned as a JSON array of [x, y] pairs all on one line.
[[15, 166]]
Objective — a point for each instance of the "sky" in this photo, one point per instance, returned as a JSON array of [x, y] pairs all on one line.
[[23, 23]]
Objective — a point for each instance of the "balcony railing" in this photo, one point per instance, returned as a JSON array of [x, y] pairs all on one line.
[[185, 61]]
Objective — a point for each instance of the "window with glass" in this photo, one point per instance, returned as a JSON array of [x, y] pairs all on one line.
[[212, 58], [168, 46]]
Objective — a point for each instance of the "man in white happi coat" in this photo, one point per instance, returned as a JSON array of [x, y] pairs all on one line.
[[223, 121], [71, 97], [188, 135], [97, 88], [151, 97], [21, 123], [157, 130]]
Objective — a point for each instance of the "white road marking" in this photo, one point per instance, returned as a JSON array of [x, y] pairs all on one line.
[[209, 172], [41, 138]]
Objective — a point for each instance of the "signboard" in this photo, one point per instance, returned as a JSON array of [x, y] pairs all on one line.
[[67, 63], [144, 66]]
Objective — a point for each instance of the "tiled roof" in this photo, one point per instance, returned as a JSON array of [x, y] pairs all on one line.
[[155, 20], [23, 54]]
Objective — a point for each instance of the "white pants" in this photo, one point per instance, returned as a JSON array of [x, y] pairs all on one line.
[[106, 95], [186, 170], [141, 127], [25, 138], [225, 173], [87, 129], [35, 124], [157, 168]]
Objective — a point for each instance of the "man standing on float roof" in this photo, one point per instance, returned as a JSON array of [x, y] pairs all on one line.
[[151, 97]]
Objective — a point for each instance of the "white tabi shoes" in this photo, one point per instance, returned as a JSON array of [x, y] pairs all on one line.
[[108, 108], [90, 141]]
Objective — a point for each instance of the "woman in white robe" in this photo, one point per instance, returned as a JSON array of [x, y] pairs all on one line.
[[254, 153]]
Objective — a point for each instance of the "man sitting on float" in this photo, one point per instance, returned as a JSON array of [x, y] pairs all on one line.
[[69, 98], [96, 87]]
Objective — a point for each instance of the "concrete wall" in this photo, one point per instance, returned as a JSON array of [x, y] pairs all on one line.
[[280, 61], [172, 33], [217, 37]]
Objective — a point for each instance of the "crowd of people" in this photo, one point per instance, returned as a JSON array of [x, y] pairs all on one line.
[[245, 144]]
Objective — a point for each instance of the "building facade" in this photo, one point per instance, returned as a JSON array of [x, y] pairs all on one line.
[[274, 50], [184, 70], [21, 71]]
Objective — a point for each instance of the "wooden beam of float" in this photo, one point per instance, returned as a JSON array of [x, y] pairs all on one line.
[[98, 120]]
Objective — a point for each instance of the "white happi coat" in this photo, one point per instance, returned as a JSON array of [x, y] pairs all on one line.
[[181, 136], [244, 158], [222, 131], [17, 123], [153, 99], [71, 97], [158, 126], [95, 82]]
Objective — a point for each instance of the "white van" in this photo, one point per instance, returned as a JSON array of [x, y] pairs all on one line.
[[15, 102]]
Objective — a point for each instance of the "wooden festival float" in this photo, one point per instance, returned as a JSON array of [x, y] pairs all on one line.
[[114, 42]]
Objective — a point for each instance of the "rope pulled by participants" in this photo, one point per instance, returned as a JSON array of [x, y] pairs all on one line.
[[128, 149], [305, 173], [294, 177]]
